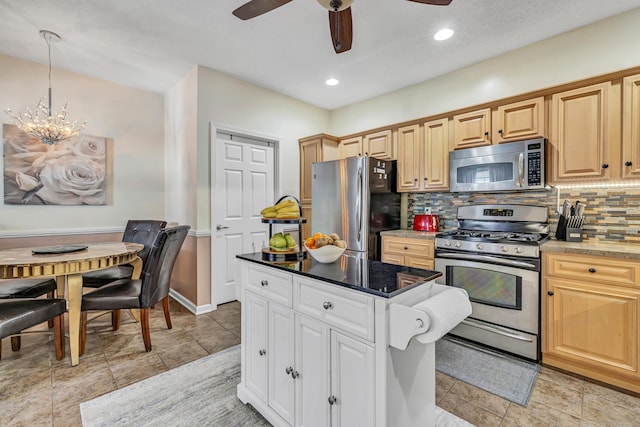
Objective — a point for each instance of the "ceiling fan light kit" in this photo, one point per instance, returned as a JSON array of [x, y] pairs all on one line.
[[340, 23]]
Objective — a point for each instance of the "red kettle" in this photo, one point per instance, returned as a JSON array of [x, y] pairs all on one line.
[[426, 223]]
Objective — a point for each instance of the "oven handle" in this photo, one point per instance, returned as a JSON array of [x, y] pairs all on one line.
[[498, 331], [502, 261]]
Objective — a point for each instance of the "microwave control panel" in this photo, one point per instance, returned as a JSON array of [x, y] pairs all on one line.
[[535, 172]]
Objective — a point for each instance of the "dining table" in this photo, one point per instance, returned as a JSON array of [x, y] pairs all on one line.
[[67, 263]]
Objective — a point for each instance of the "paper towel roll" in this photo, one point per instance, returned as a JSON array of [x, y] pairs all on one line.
[[446, 309]]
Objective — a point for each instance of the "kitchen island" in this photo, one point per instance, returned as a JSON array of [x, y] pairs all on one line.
[[332, 344]]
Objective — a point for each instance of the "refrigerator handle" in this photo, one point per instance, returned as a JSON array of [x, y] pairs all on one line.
[[359, 204]]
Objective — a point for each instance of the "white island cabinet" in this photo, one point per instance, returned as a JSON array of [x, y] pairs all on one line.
[[317, 353]]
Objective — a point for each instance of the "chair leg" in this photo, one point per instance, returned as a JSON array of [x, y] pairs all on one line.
[[115, 319], [83, 332], [167, 315], [16, 342], [50, 321], [144, 321], [58, 336]]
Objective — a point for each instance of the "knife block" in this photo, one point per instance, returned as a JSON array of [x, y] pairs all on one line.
[[570, 228]]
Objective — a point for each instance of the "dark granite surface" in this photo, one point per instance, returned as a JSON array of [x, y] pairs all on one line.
[[353, 272]]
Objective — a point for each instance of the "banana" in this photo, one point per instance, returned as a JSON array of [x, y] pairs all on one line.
[[288, 215], [271, 214], [285, 203], [288, 209], [268, 209]]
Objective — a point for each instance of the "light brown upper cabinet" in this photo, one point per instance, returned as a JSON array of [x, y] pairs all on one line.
[[378, 144], [435, 156], [317, 148], [580, 136], [631, 127], [519, 120], [472, 129], [409, 141]]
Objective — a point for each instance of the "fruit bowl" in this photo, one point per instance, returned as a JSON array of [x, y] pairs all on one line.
[[325, 254]]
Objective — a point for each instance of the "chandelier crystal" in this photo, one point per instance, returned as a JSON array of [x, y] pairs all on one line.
[[41, 123]]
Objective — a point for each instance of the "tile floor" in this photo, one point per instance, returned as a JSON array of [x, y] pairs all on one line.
[[37, 390]]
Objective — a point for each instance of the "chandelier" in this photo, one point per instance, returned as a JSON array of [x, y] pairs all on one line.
[[41, 123]]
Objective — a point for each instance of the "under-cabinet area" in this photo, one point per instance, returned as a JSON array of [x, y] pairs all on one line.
[[322, 348]]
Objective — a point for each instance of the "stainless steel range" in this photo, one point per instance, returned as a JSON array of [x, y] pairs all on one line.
[[495, 256]]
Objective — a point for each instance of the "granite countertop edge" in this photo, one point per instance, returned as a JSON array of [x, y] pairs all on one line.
[[597, 248]]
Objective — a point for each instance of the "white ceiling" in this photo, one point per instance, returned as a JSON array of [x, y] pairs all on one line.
[[151, 44]]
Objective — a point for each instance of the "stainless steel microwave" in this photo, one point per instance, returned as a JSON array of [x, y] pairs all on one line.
[[512, 166]]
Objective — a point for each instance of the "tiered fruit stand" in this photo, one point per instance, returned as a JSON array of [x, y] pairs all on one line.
[[295, 253]]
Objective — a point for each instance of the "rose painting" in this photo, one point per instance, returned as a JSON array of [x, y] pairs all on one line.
[[72, 172]]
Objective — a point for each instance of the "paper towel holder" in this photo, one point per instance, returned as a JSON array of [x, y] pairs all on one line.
[[405, 323]]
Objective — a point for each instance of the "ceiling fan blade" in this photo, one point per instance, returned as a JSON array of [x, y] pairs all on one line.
[[258, 7], [341, 29], [434, 2]]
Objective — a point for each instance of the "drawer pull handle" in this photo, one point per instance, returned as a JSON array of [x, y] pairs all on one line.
[[592, 270], [550, 293], [262, 352], [332, 400], [327, 305], [264, 283]]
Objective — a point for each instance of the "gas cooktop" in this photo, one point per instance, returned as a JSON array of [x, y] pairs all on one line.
[[492, 236]]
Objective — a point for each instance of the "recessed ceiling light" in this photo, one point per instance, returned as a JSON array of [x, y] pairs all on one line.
[[443, 34], [332, 82]]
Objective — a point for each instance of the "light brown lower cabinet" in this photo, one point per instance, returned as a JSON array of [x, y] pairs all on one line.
[[410, 252], [591, 317]]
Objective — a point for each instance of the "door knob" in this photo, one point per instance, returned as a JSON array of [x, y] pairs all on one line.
[[221, 227]]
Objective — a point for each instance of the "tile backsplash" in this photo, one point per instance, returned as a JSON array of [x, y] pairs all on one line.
[[612, 214]]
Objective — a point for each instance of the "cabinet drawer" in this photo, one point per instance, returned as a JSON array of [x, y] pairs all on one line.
[[346, 310], [416, 247], [271, 284], [593, 269]]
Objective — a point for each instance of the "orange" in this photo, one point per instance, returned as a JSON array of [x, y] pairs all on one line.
[[317, 236], [310, 241]]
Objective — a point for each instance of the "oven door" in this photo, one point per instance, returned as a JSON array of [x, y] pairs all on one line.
[[503, 295], [498, 172]]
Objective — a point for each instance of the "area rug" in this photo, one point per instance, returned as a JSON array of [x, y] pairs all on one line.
[[506, 376], [199, 393]]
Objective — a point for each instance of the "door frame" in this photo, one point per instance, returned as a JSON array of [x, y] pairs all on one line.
[[214, 130]]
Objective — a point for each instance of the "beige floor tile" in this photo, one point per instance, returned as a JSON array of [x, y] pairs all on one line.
[[135, 367], [605, 412], [552, 394], [19, 382], [444, 383], [560, 378], [481, 398], [67, 416], [214, 338], [179, 355], [469, 411], [27, 409], [538, 415]]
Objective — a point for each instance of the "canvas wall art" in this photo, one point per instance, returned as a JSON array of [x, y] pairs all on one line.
[[72, 172]]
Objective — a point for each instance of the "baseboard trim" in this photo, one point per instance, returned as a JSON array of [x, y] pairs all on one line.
[[195, 309]]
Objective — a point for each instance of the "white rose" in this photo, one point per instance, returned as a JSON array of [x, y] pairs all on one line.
[[88, 146], [26, 182], [72, 180]]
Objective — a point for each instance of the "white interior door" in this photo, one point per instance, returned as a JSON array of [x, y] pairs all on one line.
[[243, 184]]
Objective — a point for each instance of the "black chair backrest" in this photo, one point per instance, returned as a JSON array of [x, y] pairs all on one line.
[[142, 231], [156, 272]]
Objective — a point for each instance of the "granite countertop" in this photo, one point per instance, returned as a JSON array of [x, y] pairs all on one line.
[[354, 272], [411, 234], [596, 248]]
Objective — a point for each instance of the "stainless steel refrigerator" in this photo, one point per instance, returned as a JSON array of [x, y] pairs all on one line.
[[356, 198]]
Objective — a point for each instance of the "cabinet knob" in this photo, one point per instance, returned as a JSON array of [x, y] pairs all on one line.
[[426, 179], [327, 305], [592, 270], [264, 283], [500, 131], [605, 165], [289, 370], [262, 352], [550, 293], [628, 163], [332, 400], [295, 374], [415, 179], [486, 134]]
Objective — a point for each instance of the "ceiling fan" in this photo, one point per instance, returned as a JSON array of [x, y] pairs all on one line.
[[339, 16]]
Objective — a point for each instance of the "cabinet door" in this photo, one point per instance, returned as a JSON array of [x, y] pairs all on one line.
[[419, 262], [351, 147], [379, 145], [519, 120], [312, 367], [631, 127], [310, 151], [306, 227], [435, 156], [256, 365], [352, 382], [472, 129], [409, 142], [580, 134], [281, 382], [594, 324]]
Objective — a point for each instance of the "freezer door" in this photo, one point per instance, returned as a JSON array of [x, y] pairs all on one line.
[[341, 200]]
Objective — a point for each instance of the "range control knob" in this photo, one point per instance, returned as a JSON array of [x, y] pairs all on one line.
[[504, 248], [519, 250], [480, 246], [447, 243], [458, 244]]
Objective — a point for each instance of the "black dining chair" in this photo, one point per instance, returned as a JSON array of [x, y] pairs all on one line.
[[136, 231], [152, 287], [18, 314]]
